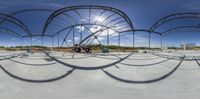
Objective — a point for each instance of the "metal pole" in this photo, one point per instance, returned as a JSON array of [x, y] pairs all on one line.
[[52, 41], [149, 41], [81, 36], [133, 41], [31, 44], [58, 39], [107, 37], [73, 37], [119, 41], [42, 40], [161, 42], [22, 42]]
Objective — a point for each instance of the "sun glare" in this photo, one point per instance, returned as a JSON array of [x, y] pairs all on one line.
[[99, 19]]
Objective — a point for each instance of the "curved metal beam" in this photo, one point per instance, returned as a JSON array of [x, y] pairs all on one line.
[[144, 30], [174, 17], [101, 14], [16, 22], [60, 11], [33, 10], [28, 10], [181, 27], [11, 31]]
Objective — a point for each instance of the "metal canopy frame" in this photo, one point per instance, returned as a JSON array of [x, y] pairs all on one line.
[[122, 20], [89, 7], [116, 24], [174, 17], [17, 22]]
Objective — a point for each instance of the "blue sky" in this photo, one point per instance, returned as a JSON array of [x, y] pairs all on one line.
[[143, 14]]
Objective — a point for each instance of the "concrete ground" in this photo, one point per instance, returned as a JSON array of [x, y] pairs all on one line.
[[59, 75]]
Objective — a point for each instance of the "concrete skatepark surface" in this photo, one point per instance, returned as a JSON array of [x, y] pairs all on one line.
[[59, 75]]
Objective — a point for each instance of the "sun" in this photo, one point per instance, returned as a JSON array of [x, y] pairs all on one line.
[[99, 19]]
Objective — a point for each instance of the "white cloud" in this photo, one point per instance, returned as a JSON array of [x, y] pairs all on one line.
[[77, 38], [69, 41], [80, 28], [94, 29], [104, 33]]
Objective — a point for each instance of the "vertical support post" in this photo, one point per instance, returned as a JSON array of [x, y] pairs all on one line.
[[22, 41], [52, 43], [81, 33], [119, 41], [108, 38], [133, 42], [73, 37], [58, 39], [149, 42], [31, 43], [161, 42], [42, 39]]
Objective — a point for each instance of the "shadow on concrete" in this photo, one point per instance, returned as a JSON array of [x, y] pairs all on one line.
[[37, 81], [145, 81], [88, 68], [197, 61], [32, 64], [145, 64]]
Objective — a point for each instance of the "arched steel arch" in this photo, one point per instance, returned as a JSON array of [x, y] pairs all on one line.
[[37, 10], [89, 7], [55, 13], [144, 30], [11, 31], [169, 31], [124, 18], [33, 10], [16, 22], [179, 28], [22, 24], [169, 18], [45, 10], [173, 17]]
